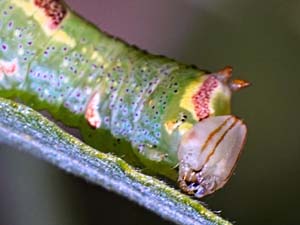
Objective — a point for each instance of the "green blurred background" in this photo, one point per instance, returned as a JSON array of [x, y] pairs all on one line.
[[261, 40]]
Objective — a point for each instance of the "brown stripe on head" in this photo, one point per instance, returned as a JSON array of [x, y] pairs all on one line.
[[221, 138], [203, 172], [213, 133]]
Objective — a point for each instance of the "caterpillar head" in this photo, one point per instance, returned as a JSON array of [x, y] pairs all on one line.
[[208, 154], [208, 151]]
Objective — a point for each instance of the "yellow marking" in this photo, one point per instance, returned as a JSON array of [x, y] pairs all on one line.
[[63, 37], [97, 57], [119, 63], [31, 10], [221, 89], [94, 56], [186, 99], [185, 127], [169, 126], [182, 127], [27, 6], [84, 50], [100, 59]]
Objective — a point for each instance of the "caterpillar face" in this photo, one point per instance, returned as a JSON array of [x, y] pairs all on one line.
[[208, 153]]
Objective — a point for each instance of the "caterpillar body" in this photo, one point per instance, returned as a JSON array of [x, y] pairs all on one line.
[[157, 112]]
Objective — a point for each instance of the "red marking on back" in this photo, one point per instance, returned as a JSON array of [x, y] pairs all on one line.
[[202, 97], [54, 9]]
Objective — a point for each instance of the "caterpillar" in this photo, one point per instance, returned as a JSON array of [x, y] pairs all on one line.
[[171, 118]]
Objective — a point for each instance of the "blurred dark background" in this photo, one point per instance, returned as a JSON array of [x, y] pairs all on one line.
[[261, 40]]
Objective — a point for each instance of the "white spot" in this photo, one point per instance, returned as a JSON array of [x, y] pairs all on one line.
[[91, 114], [65, 63], [46, 92], [21, 51], [88, 91], [17, 32]]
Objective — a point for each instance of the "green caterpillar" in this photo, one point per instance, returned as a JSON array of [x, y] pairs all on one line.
[[154, 111]]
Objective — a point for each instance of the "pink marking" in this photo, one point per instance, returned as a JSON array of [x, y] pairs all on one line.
[[91, 112], [54, 10], [8, 68], [52, 25], [202, 97]]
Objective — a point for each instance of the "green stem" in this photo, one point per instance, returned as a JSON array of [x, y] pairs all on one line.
[[27, 130]]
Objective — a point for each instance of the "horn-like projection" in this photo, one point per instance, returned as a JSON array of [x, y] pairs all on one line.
[[142, 107]]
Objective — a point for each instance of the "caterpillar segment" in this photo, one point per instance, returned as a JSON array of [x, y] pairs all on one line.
[[171, 118]]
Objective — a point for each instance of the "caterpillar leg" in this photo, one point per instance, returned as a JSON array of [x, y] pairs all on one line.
[[208, 154], [152, 153]]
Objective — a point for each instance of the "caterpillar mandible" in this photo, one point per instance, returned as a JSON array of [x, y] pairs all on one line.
[[176, 117]]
